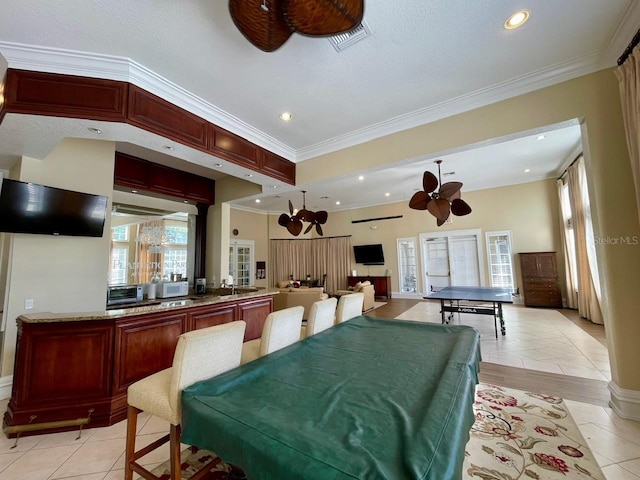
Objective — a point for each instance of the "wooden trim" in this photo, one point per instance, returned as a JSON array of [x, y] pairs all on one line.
[[156, 115], [39, 93], [57, 95]]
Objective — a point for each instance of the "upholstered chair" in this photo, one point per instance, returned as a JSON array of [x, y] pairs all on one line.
[[199, 355], [281, 329], [349, 306], [321, 316]]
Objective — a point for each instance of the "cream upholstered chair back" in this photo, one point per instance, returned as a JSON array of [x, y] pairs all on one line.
[[202, 354], [281, 329], [321, 316], [349, 306]]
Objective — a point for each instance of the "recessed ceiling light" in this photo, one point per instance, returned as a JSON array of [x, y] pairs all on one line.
[[527, 170], [517, 19], [95, 130], [540, 137], [186, 201], [274, 186], [168, 147], [387, 194], [360, 177], [134, 191], [338, 202], [248, 175], [286, 116], [257, 200]]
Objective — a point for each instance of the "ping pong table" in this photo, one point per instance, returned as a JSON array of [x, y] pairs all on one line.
[[454, 295]]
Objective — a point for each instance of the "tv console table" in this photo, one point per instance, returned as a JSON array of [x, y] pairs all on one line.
[[382, 285]]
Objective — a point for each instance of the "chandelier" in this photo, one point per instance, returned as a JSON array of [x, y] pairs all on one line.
[[443, 202], [156, 237]]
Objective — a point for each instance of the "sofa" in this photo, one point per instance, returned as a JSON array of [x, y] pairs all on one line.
[[301, 296], [366, 288]]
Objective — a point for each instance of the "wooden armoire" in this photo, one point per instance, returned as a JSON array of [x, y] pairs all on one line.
[[540, 284]]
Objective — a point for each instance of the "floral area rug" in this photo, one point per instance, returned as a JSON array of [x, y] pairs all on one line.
[[524, 435], [516, 435]]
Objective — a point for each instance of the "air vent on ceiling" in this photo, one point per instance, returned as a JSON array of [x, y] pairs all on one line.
[[344, 40]]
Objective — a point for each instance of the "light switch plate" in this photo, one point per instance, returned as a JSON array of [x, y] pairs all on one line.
[[28, 303]]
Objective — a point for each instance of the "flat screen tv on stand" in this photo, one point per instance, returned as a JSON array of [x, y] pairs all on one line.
[[369, 254], [31, 208]]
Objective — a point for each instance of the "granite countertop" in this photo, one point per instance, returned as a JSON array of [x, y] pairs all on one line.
[[157, 306]]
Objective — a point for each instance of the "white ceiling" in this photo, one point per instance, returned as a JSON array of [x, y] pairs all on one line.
[[422, 61]]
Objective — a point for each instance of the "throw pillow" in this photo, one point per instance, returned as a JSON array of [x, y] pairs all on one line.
[[296, 284], [357, 287]]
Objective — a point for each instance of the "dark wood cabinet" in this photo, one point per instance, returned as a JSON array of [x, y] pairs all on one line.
[[382, 285], [73, 369], [540, 284]]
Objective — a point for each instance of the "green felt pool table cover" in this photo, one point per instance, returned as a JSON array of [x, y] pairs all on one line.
[[367, 399]]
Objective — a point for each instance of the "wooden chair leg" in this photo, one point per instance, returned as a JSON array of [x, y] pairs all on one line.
[[174, 452], [132, 421]]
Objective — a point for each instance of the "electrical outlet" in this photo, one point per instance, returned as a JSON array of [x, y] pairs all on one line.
[[28, 303]]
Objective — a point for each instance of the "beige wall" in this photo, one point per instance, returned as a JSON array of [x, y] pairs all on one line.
[[595, 101], [252, 226], [54, 271], [529, 210]]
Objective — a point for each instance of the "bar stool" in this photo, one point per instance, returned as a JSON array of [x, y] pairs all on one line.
[[322, 315], [281, 329], [199, 355], [349, 306]]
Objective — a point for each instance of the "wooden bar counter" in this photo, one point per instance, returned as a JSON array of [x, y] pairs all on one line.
[[73, 369]]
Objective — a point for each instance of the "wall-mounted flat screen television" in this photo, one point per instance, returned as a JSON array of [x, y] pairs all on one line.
[[32, 208], [369, 254]]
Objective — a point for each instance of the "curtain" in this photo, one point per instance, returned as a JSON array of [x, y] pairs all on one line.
[[568, 247], [629, 82], [315, 257], [588, 280]]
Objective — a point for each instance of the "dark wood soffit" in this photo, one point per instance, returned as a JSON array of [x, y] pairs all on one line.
[[57, 95]]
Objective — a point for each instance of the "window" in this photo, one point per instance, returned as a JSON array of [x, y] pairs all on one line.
[[407, 265], [174, 258], [118, 270], [120, 234], [241, 261], [500, 259]]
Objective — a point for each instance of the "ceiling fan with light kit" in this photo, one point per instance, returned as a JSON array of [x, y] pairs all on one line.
[[268, 24], [443, 202]]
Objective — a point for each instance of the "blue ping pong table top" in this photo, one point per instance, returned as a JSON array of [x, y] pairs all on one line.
[[474, 294]]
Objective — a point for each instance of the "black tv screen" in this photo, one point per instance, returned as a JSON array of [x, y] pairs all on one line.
[[32, 208], [369, 254]]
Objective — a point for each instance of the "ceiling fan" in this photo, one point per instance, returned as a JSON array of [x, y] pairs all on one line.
[[443, 202], [294, 220], [267, 24]]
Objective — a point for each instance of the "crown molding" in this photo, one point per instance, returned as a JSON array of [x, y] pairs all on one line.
[[55, 60], [480, 98], [94, 65]]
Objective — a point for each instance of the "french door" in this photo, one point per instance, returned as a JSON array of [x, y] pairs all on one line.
[[451, 258], [241, 262]]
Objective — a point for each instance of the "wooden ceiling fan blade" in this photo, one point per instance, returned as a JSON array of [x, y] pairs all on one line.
[[295, 227], [309, 228], [290, 208], [321, 217], [429, 182], [304, 215], [262, 22], [283, 220], [419, 201], [441, 221], [458, 194], [319, 229], [323, 17], [459, 207], [447, 190], [439, 208]]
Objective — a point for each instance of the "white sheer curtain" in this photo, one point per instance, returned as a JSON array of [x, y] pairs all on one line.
[[588, 279], [629, 81], [568, 246]]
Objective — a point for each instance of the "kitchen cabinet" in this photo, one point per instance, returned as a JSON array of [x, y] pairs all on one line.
[[540, 284], [79, 366]]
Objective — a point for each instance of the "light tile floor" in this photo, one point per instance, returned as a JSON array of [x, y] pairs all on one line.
[[561, 348]]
